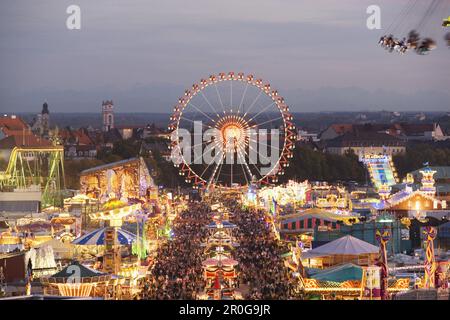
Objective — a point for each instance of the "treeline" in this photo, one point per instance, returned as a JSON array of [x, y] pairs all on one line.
[[307, 163], [436, 154], [316, 165]]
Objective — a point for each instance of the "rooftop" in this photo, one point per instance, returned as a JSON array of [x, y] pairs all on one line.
[[365, 139], [24, 140], [110, 165]]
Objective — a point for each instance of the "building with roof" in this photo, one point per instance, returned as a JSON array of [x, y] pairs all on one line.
[[363, 143], [336, 130], [423, 132], [309, 219], [15, 132], [12, 123], [414, 204], [21, 140], [404, 131], [77, 144]]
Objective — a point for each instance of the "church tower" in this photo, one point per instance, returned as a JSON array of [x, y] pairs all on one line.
[[108, 115], [45, 120]]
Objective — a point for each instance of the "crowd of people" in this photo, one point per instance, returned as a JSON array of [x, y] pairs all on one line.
[[413, 42], [178, 273], [261, 266]]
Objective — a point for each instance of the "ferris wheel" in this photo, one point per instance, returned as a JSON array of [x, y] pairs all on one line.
[[231, 129]]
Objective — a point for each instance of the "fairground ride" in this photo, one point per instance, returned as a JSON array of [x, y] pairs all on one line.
[[36, 166], [381, 169], [231, 120]]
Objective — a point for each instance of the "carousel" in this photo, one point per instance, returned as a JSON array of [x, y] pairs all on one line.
[[77, 280], [113, 213]]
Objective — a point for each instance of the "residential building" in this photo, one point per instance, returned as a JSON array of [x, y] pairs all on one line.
[[77, 144]]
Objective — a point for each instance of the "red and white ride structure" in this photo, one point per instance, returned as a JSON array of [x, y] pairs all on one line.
[[239, 108]]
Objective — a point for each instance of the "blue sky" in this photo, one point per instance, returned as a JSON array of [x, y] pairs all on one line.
[[143, 54]]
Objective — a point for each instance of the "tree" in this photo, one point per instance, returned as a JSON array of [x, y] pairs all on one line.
[[419, 153], [315, 165]]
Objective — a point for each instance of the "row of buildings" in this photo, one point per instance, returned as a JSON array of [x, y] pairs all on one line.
[[388, 139], [81, 143]]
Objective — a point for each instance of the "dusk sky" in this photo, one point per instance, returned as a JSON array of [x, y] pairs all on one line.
[[143, 54]]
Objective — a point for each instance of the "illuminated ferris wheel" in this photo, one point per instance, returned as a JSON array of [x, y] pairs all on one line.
[[231, 129]]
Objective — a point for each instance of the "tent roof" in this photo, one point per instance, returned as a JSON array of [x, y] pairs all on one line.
[[85, 272], [97, 237], [346, 245], [340, 273]]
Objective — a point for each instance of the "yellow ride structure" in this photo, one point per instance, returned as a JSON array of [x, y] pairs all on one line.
[[36, 166]]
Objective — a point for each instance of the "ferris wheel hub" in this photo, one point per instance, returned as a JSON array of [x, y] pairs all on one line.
[[232, 131]]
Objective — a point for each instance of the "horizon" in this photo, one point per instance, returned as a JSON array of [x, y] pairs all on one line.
[[319, 55]]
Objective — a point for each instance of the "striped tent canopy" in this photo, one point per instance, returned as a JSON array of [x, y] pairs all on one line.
[[97, 238]]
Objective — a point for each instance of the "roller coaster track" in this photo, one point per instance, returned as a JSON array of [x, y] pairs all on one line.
[[44, 167]]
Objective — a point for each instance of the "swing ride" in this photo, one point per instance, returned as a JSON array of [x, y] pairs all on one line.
[[414, 28]]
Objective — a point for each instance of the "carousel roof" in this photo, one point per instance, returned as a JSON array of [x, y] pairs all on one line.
[[84, 272], [97, 237], [76, 273], [346, 245]]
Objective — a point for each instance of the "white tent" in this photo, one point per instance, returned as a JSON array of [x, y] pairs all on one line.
[[347, 245]]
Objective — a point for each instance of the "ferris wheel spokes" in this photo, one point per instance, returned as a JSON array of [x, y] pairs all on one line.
[[242, 99], [253, 103], [218, 95], [209, 103], [263, 110], [232, 136], [203, 113]]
